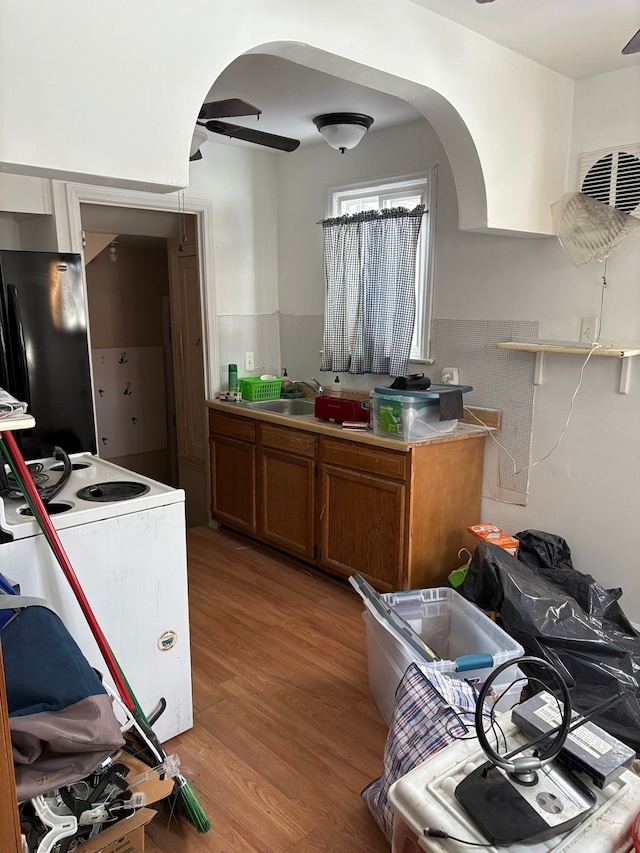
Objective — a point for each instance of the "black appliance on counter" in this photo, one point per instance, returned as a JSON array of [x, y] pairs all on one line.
[[413, 382], [44, 350]]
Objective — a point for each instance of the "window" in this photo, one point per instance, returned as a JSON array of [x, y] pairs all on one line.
[[401, 192]]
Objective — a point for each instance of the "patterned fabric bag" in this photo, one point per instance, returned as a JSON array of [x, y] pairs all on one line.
[[431, 711]]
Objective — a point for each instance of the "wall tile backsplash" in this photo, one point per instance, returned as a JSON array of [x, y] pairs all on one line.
[[500, 379], [256, 333]]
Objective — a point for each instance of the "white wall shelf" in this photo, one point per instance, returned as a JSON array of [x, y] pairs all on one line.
[[540, 347]]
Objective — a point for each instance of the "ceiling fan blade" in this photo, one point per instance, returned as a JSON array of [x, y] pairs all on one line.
[[229, 107], [247, 134], [633, 46]]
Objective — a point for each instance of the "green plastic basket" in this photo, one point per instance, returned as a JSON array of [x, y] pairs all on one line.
[[254, 388]]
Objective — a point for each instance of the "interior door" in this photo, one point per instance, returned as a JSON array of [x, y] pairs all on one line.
[[187, 341]]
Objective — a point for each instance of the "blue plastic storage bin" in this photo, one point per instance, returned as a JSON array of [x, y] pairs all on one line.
[[411, 415]]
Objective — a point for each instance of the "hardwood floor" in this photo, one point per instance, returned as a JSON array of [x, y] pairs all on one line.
[[286, 734]]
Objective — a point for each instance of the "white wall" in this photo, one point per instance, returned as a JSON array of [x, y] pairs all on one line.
[[302, 200], [519, 117], [606, 111], [504, 120], [241, 184], [9, 231], [587, 491]]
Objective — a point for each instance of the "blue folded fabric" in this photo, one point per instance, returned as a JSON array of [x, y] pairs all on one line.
[[61, 718]]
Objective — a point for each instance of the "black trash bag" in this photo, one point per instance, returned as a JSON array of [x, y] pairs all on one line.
[[595, 656], [551, 556]]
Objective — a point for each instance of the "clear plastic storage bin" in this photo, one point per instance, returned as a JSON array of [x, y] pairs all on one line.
[[469, 644], [411, 415]]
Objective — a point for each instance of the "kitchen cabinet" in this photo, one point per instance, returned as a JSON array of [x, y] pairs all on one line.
[[395, 512], [363, 512], [398, 517], [233, 466], [264, 482], [24, 194], [287, 489]]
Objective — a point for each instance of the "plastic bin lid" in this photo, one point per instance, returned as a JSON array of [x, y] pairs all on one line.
[[432, 394], [375, 603]]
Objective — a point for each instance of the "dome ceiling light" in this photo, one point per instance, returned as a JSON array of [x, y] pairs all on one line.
[[343, 131]]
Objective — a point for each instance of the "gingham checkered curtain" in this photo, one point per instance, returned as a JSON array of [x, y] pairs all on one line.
[[370, 307]]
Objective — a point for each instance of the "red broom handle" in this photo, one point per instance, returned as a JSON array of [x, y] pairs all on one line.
[[54, 540]]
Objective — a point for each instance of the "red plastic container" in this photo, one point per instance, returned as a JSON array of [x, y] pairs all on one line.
[[339, 410]]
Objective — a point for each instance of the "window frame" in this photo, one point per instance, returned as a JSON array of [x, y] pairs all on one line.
[[396, 186]]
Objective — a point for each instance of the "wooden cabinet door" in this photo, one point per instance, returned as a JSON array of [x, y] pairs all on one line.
[[287, 502], [362, 526], [233, 472]]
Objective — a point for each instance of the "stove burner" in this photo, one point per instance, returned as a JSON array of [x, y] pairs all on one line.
[[114, 490], [75, 466], [53, 508], [35, 469], [13, 491]]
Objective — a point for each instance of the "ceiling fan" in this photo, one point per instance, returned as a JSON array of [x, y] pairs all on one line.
[[633, 46], [213, 111]]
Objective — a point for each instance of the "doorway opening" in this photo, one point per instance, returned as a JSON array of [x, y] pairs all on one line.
[[147, 345]]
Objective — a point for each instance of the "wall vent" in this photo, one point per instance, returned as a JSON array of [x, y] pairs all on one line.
[[612, 176]]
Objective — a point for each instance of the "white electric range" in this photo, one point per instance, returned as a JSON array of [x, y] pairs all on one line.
[[125, 536]]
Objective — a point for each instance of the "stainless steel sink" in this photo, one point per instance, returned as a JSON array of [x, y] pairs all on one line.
[[294, 407]]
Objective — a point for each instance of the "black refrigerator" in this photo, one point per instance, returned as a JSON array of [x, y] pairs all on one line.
[[44, 350]]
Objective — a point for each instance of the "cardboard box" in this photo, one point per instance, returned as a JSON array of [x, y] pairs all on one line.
[[154, 789], [493, 534], [126, 836]]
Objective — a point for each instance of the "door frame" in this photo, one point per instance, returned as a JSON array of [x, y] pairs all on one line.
[[77, 194]]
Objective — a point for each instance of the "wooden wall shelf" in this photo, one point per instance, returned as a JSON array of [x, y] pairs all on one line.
[[624, 352]]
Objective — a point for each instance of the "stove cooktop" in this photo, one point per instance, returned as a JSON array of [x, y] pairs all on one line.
[[96, 489]]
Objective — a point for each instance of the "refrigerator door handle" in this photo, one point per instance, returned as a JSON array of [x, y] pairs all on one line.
[[14, 303]]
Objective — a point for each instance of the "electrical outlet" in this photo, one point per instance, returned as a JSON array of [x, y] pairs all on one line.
[[588, 329], [450, 376], [249, 362]]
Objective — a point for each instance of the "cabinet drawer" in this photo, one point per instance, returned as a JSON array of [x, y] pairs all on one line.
[[289, 440], [234, 427], [369, 459]]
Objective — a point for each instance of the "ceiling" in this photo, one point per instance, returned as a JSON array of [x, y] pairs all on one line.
[[290, 95], [156, 225], [577, 38]]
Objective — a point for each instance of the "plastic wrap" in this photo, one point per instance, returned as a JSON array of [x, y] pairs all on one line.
[[567, 618], [551, 557]]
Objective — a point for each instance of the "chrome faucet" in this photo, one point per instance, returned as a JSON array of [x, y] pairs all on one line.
[[317, 388]]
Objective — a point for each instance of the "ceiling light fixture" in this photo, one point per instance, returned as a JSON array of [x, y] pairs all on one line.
[[343, 130]]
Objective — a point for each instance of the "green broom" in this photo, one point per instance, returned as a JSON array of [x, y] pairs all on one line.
[[185, 798]]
